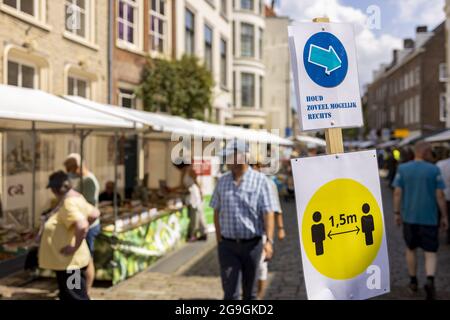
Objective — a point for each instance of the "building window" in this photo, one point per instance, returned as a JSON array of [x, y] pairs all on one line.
[[128, 21], [261, 92], [127, 98], [78, 87], [406, 81], [417, 75], [442, 107], [224, 7], [392, 115], [233, 36], [158, 26], [22, 75], [190, 32], [24, 6], [223, 63], [412, 109], [247, 40], [208, 48], [261, 39], [234, 89], [247, 5], [405, 113], [417, 107], [77, 17], [443, 74], [248, 90]]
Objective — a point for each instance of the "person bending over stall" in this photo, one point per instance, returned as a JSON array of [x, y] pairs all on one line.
[[63, 247]]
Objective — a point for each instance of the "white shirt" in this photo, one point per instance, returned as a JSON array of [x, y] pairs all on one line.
[[444, 166]]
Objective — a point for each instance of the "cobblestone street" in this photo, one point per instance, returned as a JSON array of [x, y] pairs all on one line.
[[287, 281], [202, 281], [199, 278]]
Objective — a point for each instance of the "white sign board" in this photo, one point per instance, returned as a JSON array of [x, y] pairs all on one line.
[[324, 66], [341, 224]]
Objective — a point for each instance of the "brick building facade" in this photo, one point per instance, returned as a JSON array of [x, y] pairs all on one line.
[[56, 46], [410, 92]]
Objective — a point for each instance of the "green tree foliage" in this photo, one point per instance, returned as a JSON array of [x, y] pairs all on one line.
[[182, 88]]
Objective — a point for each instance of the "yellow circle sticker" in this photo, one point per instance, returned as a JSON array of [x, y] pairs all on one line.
[[342, 229]]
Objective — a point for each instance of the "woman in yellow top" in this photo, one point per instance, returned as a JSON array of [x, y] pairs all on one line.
[[63, 247]]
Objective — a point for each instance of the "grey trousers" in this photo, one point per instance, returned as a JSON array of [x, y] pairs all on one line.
[[197, 222], [239, 264]]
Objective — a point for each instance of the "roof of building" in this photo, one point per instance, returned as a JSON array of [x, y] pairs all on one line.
[[405, 55], [269, 11]]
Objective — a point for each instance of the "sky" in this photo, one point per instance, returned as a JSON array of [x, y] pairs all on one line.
[[398, 20]]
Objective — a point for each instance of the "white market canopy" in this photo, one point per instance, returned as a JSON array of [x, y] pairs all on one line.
[[440, 137], [410, 139], [387, 144], [158, 122], [20, 107], [311, 140], [173, 124]]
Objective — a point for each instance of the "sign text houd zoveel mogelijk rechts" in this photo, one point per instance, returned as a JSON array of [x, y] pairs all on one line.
[[312, 108]]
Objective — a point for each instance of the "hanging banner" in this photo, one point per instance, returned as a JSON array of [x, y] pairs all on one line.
[[341, 224]]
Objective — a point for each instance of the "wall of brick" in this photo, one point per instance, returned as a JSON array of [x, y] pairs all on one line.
[[55, 49]]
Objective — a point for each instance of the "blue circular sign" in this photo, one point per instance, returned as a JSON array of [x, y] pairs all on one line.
[[325, 60]]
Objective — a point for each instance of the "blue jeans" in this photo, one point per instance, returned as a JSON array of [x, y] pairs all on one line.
[[90, 237], [239, 264]]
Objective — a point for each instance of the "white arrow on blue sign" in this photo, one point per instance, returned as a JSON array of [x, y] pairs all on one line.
[[324, 58]]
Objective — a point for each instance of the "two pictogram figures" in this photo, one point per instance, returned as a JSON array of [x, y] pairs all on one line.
[[318, 232]]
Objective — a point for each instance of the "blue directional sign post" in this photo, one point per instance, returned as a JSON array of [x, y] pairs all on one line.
[[323, 57]]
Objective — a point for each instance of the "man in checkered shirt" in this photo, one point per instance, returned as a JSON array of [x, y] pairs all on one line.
[[243, 212]]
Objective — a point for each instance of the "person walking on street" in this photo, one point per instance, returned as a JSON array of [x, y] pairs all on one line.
[[62, 247], [418, 200], [264, 265], [90, 189], [243, 212], [444, 166], [391, 166]]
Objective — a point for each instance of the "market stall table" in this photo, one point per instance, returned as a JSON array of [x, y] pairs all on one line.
[[29, 112], [138, 238]]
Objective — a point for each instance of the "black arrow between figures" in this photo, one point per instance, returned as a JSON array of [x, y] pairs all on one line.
[[334, 234]]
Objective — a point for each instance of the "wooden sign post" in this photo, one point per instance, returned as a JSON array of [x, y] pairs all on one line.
[[333, 136]]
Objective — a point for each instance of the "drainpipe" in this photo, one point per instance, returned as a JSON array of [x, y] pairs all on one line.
[[110, 48], [174, 29]]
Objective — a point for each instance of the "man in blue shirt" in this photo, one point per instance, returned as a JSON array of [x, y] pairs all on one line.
[[418, 200], [243, 212]]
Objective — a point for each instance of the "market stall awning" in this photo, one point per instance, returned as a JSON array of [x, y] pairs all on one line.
[[366, 144], [252, 135], [20, 107], [158, 122], [388, 144], [440, 137], [174, 124], [410, 139], [311, 140]]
